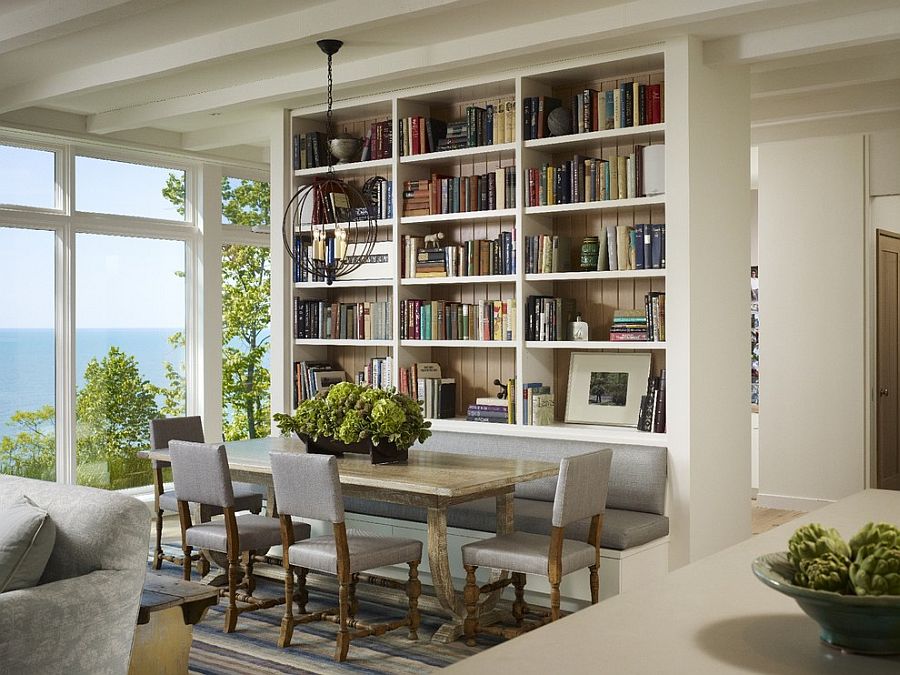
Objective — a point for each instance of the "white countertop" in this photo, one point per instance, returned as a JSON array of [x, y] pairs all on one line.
[[712, 616]]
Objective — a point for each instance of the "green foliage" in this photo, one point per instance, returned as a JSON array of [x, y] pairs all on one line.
[[174, 395], [246, 287], [32, 451], [351, 413]]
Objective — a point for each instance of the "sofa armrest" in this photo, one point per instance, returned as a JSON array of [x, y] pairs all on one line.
[[80, 625]]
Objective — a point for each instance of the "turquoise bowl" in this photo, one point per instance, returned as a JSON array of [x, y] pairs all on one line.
[[860, 624]]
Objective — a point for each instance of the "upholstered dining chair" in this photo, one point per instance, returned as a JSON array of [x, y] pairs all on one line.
[[247, 497], [581, 491], [200, 473], [308, 486]]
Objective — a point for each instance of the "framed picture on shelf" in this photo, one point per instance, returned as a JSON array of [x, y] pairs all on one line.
[[606, 388], [324, 379]]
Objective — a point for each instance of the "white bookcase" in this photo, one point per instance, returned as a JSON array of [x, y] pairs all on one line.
[[697, 353]]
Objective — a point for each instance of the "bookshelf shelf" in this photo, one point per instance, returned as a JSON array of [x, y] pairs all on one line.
[[588, 276], [351, 167], [343, 343], [449, 281], [606, 205], [470, 344], [655, 131], [502, 149], [458, 217], [345, 283], [596, 344]]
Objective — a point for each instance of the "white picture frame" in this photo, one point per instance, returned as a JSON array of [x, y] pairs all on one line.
[[606, 387]]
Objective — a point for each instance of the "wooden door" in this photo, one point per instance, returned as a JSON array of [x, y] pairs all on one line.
[[888, 362]]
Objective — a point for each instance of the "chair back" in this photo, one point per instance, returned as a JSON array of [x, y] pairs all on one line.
[[307, 486], [582, 487], [200, 473], [168, 429]]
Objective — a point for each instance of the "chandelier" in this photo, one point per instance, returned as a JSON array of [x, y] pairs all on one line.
[[329, 227]]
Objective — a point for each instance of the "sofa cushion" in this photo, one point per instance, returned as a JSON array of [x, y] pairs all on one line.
[[27, 535], [622, 529]]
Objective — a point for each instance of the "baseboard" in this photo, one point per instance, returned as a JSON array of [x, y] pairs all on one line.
[[805, 504]]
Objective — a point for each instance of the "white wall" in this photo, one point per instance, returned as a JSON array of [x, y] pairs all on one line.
[[812, 320]]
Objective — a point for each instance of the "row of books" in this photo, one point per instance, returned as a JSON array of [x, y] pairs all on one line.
[[310, 150], [436, 394], [652, 416], [460, 194], [377, 373], [381, 205], [471, 258], [377, 143], [640, 325], [321, 319], [546, 253], [538, 405], [632, 247], [311, 377], [629, 104], [445, 320], [547, 318], [587, 179]]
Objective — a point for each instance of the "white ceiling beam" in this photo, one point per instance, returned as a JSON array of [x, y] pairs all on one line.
[[840, 102], [836, 33], [822, 76], [247, 39], [858, 123], [248, 133], [39, 21], [604, 23]]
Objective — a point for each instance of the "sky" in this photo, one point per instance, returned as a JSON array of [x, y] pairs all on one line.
[[121, 282]]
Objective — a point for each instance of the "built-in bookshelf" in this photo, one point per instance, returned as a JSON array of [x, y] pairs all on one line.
[[475, 188]]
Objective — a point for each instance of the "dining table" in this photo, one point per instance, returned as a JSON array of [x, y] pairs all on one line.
[[429, 479]]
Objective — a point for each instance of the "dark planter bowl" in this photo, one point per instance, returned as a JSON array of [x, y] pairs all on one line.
[[383, 453]]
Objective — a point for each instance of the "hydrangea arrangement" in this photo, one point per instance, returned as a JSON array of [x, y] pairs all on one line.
[[869, 565], [350, 412]]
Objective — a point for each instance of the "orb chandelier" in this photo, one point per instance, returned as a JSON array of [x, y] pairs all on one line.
[[333, 222]]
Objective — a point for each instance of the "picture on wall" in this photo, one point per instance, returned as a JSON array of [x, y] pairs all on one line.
[[606, 388]]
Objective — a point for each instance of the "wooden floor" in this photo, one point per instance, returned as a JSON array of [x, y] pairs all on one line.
[[763, 520]]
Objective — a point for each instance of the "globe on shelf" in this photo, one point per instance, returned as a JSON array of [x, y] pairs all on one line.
[[559, 122]]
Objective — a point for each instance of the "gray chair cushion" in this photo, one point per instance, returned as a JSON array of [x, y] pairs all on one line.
[[367, 551], [527, 553], [255, 532], [27, 535], [621, 529], [246, 498]]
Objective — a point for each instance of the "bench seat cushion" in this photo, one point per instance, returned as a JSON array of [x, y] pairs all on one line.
[[621, 529]]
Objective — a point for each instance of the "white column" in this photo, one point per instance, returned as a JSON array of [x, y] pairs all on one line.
[[707, 298]]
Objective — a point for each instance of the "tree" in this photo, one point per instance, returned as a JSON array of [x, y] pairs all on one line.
[[245, 309], [32, 451]]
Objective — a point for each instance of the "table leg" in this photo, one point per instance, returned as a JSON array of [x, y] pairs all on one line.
[[505, 525], [440, 576]]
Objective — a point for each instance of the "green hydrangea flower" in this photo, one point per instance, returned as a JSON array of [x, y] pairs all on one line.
[[829, 572], [876, 571], [814, 541]]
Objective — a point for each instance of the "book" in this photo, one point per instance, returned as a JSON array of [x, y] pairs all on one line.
[[543, 406]]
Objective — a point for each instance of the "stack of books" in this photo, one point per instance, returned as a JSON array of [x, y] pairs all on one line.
[[629, 325], [457, 136], [416, 198], [487, 409], [431, 262]]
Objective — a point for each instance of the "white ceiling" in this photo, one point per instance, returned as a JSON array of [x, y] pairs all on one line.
[[207, 75]]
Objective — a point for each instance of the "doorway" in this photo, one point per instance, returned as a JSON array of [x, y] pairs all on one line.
[[887, 407]]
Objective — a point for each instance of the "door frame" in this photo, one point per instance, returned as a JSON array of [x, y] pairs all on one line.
[[875, 398]]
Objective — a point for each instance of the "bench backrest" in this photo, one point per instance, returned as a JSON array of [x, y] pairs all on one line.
[[637, 480]]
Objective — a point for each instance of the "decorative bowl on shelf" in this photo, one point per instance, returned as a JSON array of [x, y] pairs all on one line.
[[860, 624], [345, 147]]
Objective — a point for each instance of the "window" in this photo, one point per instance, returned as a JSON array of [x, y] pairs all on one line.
[[129, 352], [126, 189], [27, 177], [27, 354], [245, 202]]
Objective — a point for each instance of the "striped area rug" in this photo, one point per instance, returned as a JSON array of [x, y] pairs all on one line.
[[252, 648]]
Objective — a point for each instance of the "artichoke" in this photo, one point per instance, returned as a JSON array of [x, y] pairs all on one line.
[[874, 534], [826, 573], [814, 541], [876, 571]]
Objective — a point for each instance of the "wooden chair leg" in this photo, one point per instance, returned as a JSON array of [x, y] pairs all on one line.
[[247, 566], [287, 621], [354, 603], [470, 594], [413, 590], [302, 595], [158, 555], [343, 636], [186, 562], [231, 612], [554, 600], [595, 585], [519, 607], [202, 565]]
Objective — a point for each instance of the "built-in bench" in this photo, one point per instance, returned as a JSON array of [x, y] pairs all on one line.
[[635, 529]]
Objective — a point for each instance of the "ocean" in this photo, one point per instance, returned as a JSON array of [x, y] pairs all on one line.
[[27, 361]]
